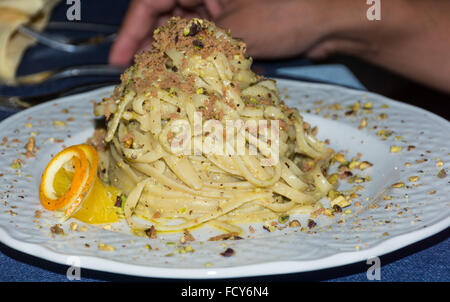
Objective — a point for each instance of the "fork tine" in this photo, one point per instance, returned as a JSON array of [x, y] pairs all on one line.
[[92, 27], [58, 44], [47, 40], [87, 70]]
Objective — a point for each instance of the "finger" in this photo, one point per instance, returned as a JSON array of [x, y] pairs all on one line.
[[145, 45], [190, 3], [139, 22], [275, 37], [135, 26], [215, 7], [199, 12], [333, 46], [237, 19], [163, 20]]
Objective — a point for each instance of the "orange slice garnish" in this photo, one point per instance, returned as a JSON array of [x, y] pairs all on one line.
[[84, 161]]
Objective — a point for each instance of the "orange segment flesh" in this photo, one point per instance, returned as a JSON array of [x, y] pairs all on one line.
[[62, 182], [98, 207]]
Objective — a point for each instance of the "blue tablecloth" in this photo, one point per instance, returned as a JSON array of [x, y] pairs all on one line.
[[426, 260]]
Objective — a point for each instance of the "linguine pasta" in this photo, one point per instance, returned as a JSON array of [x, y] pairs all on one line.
[[195, 137]]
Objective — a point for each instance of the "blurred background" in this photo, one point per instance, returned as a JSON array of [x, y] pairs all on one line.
[[358, 74]]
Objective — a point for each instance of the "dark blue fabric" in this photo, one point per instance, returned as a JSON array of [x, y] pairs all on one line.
[[426, 260]]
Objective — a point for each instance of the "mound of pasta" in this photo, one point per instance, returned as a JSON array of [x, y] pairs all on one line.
[[195, 137]]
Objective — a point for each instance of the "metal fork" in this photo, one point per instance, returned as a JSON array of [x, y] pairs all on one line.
[[21, 102], [66, 44], [74, 71], [17, 103]]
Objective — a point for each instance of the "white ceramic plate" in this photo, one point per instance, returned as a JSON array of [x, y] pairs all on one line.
[[386, 219]]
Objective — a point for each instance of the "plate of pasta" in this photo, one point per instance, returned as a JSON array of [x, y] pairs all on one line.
[[196, 167]]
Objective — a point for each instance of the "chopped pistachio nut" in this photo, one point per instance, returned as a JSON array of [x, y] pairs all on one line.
[[382, 116], [395, 149], [341, 201], [283, 219], [336, 106], [398, 185], [340, 158], [16, 165], [106, 247], [253, 101], [328, 212], [333, 194], [184, 249], [74, 226], [414, 178], [59, 124], [56, 229], [384, 133], [357, 179], [363, 124], [332, 179], [268, 227], [364, 165], [294, 223], [368, 105], [354, 164], [442, 174]]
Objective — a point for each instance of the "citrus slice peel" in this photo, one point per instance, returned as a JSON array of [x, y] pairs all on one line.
[[85, 159]]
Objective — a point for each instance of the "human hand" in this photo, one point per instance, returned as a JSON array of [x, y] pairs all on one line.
[[284, 28], [271, 29]]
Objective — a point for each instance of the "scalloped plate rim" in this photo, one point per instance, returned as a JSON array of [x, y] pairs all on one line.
[[385, 246]]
